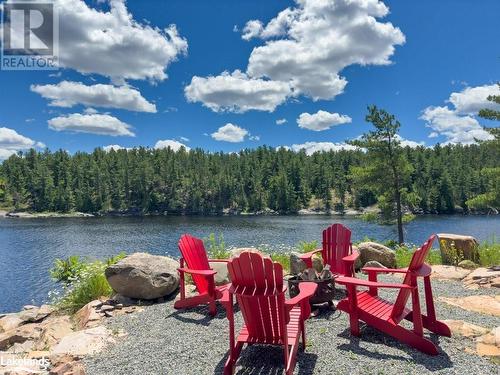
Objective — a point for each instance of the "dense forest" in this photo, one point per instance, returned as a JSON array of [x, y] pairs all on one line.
[[443, 179]]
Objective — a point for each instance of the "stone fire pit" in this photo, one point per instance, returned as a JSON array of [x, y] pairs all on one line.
[[325, 281]]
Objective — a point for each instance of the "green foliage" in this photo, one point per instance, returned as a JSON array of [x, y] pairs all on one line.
[[489, 253], [281, 258], [451, 254], [66, 270], [217, 247], [82, 281], [404, 254], [491, 114], [305, 247], [370, 217]]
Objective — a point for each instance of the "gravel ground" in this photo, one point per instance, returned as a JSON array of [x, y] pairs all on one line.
[[162, 340]]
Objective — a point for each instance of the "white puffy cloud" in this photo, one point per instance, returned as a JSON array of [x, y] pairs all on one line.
[[68, 94], [312, 147], [459, 124], [408, 143], [252, 29], [230, 133], [307, 46], [173, 144], [113, 44], [236, 92], [281, 121], [12, 142], [321, 120], [455, 127], [115, 148], [472, 99], [100, 124]]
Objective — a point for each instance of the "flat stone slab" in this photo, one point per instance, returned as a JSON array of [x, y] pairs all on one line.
[[443, 272], [86, 342], [465, 329], [482, 304]]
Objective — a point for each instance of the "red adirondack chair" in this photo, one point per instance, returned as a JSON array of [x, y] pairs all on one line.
[[386, 316], [194, 254], [336, 251], [257, 283]]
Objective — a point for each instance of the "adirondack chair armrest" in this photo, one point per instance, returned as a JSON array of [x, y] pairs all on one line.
[[310, 254], [205, 273], [384, 270], [306, 290], [351, 258], [218, 260], [359, 282]]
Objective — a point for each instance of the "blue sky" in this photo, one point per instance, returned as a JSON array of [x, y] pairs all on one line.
[[316, 65]]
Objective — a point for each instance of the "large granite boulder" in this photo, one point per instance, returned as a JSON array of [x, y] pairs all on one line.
[[222, 275], [372, 251], [144, 276], [456, 247]]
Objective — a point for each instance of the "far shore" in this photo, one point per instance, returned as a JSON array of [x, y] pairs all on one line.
[[303, 212]]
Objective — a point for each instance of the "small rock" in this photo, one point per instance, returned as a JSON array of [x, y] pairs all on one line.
[[108, 314], [461, 328], [374, 251], [87, 316], [35, 314], [467, 264], [105, 308], [236, 252], [222, 275], [317, 263], [68, 368], [123, 301], [297, 265], [9, 322], [86, 342], [443, 272], [119, 306]]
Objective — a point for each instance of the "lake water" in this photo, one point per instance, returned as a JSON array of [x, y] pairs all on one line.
[[28, 247]]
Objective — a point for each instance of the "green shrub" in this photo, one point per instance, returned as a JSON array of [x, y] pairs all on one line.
[[82, 281], [489, 253], [451, 254], [305, 247], [371, 217], [217, 247], [405, 253]]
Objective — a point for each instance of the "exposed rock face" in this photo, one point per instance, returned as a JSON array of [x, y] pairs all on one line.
[[448, 272], [369, 251], [81, 343], [461, 328], [236, 252], [19, 335], [53, 330], [482, 304], [9, 322], [465, 247], [489, 344], [482, 278], [222, 275], [144, 276], [33, 314], [467, 264], [87, 316]]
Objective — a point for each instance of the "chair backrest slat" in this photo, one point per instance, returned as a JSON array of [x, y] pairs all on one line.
[[416, 263], [257, 283], [195, 256], [336, 245]]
